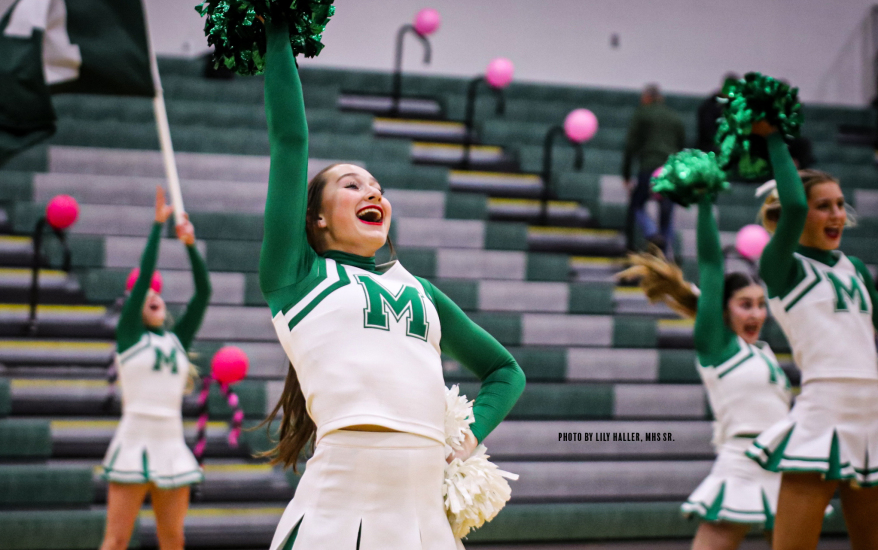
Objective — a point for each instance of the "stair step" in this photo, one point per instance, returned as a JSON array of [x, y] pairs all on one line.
[[56, 321], [431, 130], [570, 240], [484, 157], [496, 184], [56, 352], [383, 105], [561, 213]]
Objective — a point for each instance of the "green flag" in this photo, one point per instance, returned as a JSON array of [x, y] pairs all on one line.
[[66, 46]]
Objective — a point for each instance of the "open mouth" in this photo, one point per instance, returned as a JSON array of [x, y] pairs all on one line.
[[832, 233], [751, 330], [153, 307], [372, 215]]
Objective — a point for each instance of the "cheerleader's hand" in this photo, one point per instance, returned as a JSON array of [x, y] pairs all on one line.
[[186, 231], [162, 209], [763, 128], [469, 445]]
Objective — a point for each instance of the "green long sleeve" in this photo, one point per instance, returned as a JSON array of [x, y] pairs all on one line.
[[188, 325], [502, 379], [715, 343], [778, 267], [870, 286], [286, 258], [131, 327]]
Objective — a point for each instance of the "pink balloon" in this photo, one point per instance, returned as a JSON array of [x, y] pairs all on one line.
[[62, 211], [658, 172], [580, 125], [751, 240], [427, 21], [499, 73], [156, 284], [229, 365]]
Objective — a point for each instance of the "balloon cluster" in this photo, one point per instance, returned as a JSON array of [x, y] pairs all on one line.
[[233, 28]]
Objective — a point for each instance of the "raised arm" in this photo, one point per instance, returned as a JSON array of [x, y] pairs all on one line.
[[502, 378], [188, 325], [131, 327], [778, 267], [714, 342], [286, 257]]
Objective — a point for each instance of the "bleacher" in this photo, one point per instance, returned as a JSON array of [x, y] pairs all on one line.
[[598, 358]]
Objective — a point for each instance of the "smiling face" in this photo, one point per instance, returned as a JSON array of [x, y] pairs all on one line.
[[354, 215], [826, 217], [746, 312], [154, 310]]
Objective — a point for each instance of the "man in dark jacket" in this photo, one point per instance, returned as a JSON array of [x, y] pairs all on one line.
[[655, 132]]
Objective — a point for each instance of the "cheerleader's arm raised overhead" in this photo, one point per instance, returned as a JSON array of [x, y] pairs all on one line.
[[714, 341], [131, 326], [188, 325], [502, 379], [286, 257], [778, 267]]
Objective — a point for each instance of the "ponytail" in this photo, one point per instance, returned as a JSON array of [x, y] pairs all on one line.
[[662, 281], [297, 429]]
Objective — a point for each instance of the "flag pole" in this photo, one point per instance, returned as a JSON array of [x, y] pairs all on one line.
[[164, 131]]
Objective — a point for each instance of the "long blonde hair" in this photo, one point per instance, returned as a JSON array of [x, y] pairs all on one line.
[[662, 281]]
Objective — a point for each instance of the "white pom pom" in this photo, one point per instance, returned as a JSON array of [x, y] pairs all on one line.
[[458, 417], [474, 492]]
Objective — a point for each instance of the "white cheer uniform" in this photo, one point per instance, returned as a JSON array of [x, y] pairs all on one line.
[[747, 393], [148, 445], [833, 427], [365, 347]]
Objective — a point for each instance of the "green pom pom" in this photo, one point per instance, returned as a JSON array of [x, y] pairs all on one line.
[[238, 37], [689, 175], [752, 98]]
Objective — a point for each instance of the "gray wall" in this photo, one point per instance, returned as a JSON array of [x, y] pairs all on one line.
[[686, 45]]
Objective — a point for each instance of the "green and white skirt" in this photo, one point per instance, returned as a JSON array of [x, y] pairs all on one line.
[[369, 491], [832, 430], [151, 449], [737, 489]]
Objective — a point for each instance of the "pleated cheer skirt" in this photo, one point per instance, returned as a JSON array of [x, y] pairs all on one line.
[[383, 489], [151, 449], [737, 489], [832, 430]]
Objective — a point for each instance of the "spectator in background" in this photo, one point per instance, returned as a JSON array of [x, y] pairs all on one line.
[[655, 133], [709, 112]]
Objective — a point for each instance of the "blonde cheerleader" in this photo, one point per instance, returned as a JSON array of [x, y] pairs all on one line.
[[148, 454], [825, 303], [747, 390], [364, 342]]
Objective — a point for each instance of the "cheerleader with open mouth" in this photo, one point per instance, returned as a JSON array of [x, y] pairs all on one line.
[[365, 381], [825, 302], [148, 453]]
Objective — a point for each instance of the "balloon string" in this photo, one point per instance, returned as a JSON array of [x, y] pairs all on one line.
[[234, 426]]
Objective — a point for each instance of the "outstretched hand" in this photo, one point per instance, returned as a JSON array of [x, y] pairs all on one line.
[[186, 231], [469, 445], [763, 128], [162, 209]]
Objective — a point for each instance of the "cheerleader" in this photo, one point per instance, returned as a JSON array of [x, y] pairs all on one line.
[[747, 390], [364, 342], [148, 453], [825, 303]]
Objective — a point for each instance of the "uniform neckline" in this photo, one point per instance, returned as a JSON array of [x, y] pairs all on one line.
[[828, 257], [366, 263]]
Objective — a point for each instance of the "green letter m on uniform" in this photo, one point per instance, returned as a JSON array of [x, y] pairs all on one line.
[[846, 296], [407, 303], [162, 360]]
